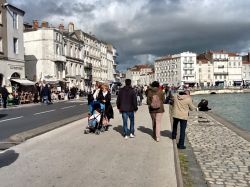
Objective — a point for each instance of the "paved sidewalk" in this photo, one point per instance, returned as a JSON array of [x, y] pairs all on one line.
[[223, 155], [67, 157]]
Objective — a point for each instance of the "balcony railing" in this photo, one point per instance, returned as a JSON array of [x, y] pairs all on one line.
[[189, 75], [88, 66], [188, 61], [188, 68], [221, 66], [221, 73]]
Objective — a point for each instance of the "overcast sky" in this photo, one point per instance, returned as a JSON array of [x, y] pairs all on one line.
[[142, 30]]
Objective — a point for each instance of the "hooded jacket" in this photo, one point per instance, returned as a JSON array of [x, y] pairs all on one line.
[[155, 91], [126, 100], [182, 105]]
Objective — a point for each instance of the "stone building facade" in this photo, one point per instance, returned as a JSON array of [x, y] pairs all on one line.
[[11, 43], [176, 70]]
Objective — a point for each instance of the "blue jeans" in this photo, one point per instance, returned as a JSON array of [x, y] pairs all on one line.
[[131, 116], [183, 125], [45, 99]]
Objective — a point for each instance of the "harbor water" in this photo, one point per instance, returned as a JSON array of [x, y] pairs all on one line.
[[232, 107]]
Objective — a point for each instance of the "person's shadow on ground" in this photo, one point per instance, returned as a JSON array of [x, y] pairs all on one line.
[[166, 133], [3, 115], [146, 130], [8, 158], [119, 129]]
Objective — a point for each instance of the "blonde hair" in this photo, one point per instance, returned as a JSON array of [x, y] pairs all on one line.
[[105, 86]]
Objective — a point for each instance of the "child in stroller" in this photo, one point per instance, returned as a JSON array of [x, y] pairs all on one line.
[[95, 121]]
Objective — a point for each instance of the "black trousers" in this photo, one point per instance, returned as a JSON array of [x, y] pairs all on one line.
[[4, 102], [183, 126]]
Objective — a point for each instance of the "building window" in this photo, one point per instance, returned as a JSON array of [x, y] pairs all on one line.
[[65, 49], [71, 51], [15, 45], [1, 22], [1, 45], [15, 25], [57, 49]]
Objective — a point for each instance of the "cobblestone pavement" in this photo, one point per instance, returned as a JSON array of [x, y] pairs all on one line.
[[223, 155]]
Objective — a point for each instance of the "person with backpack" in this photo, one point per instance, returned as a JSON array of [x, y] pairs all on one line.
[[155, 100]]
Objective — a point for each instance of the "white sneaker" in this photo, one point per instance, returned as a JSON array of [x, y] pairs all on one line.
[[132, 136], [125, 137]]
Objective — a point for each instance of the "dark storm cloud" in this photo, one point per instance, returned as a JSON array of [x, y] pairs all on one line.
[[143, 29], [168, 27], [45, 9]]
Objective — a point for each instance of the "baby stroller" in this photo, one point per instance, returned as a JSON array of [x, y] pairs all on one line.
[[95, 120]]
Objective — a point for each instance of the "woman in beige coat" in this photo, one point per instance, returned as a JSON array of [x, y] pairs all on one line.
[[181, 106], [155, 113]]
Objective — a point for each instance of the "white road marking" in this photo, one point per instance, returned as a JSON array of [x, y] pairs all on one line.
[[10, 119], [43, 112], [68, 107]]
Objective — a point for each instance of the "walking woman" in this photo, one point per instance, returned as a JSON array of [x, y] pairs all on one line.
[[155, 99], [104, 97]]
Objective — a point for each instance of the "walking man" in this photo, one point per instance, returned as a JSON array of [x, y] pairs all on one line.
[[127, 105], [181, 106], [5, 95]]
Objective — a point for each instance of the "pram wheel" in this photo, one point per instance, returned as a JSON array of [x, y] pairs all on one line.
[[86, 131], [97, 132], [102, 129]]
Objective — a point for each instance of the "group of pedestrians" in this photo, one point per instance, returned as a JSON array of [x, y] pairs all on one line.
[[181, 104], [101, 96]]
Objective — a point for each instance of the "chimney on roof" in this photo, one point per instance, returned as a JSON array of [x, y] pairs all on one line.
[[61, 27], [35, 24], [71, 27], [44, 24]]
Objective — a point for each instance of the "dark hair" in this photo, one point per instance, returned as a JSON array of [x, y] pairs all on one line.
[[128, 82], [155, 84]]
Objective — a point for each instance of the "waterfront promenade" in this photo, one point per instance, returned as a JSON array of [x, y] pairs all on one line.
[[68, 157], [223, 155]]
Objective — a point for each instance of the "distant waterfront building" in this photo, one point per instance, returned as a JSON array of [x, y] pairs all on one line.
[[176, 70], [138, 74], [11, 43], [205, 71], [246, 69], [223, 68]]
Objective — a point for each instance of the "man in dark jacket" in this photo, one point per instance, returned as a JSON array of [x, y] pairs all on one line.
[[127, 105], [5, 95]]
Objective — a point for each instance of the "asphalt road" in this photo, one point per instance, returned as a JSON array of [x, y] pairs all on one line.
[[21, 119]]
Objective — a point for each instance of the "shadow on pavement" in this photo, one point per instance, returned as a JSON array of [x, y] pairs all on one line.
[[3, 115], [146, 130], [8, 158], [119, 129], [166, 133]]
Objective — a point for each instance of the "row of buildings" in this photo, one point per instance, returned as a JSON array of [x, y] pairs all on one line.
[[62, 56], [212, 68]]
